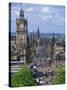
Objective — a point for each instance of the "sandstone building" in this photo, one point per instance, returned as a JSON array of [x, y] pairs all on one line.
[[19, 42]]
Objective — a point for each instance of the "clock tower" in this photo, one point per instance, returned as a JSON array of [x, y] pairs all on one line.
[[21, 36]]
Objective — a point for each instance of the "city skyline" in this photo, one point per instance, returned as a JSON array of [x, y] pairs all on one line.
[[37, 45], [49, 18]]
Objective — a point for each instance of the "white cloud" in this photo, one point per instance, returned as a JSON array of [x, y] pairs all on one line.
[[16, 13], [15, 8], [55, 19], [45, 17], [29, 9], [50, 16], [45, 10], [58, 19]]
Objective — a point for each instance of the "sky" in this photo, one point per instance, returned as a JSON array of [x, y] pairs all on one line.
[[49, 18]]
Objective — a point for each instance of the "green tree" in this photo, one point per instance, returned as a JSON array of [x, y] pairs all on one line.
[[60, 75], [22, 78]]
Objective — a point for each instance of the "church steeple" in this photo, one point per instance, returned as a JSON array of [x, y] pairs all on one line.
[[21, 13], [38, 33]]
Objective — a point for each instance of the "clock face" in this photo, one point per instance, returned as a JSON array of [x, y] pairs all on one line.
[[21, 26]]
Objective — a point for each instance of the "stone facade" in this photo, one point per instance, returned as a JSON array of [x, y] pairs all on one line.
[[19, 44], [21, 35]]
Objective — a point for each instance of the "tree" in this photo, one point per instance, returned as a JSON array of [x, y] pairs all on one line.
[[59, 75], [22, 78]]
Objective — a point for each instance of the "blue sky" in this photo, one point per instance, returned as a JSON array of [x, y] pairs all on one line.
[[49, 18]]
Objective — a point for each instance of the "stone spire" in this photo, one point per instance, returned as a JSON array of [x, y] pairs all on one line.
[[21, 13], [38, 33]]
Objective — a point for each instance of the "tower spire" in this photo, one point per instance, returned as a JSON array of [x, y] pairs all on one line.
[[21, 13], [38, 33]]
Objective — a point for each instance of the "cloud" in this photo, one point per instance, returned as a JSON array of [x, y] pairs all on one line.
[[45, 17], [15, 8], [16, 13], [50, 16], [58, 19], [45, 13], [53, 18], [45, 10], [30, 9]]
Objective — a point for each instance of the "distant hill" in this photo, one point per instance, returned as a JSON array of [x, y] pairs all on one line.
[[48, 35], [13, 34]]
